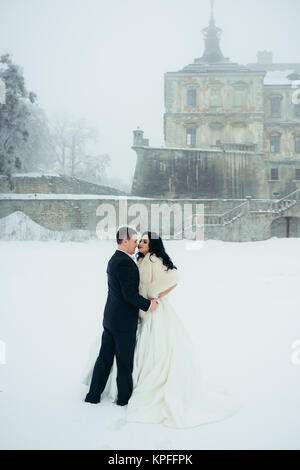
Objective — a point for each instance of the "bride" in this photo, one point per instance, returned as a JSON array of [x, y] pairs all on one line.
[[168, 386]]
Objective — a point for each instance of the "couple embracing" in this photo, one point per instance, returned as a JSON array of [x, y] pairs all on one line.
[[147, 362]]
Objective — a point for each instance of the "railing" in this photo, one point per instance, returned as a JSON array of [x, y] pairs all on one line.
[[213, 219], [235, 146], [234, 213], [288, 201], [260, 206], [277, 206]]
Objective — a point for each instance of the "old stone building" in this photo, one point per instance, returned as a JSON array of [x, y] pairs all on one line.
[[230, 130], [232, 148]]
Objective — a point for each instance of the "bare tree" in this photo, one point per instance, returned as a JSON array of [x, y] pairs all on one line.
[[60, 140], [74, 142]]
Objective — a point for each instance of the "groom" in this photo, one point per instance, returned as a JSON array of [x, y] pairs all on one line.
[[120, 320]]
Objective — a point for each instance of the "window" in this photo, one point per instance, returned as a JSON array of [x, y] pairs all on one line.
[[297, 176], [191, 97], [297, 110], [297, 144], [274, 174], [215, 97], [191, 137], [162, 167], [275, 107], [171, 185], [240, 97], [275, 143]]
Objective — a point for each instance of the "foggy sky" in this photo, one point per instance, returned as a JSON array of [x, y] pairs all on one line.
[[105, 60]]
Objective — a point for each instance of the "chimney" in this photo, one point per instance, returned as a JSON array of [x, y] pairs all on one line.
[[264, 57]]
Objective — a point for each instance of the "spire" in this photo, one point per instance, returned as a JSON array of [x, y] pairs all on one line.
[[213, 59], [212, 51], [212, 2]]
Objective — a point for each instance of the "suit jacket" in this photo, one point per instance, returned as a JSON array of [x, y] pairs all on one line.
[[123, 300]]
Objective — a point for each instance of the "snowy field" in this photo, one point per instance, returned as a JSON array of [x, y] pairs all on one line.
[[239, 301]]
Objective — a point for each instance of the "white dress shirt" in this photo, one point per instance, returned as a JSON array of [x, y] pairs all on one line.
[[118, 249]]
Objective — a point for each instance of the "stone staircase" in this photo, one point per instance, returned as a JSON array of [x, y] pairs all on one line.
[[257, 206], [213, 220], [278, 206], [227, 217]]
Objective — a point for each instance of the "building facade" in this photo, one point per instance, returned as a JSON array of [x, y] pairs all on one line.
[[230, 130]]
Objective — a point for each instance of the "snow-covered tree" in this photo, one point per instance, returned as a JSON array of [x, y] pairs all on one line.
[[13, 115], [25, 141], [37, 154]]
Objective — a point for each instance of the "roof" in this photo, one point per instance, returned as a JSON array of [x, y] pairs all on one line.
[[223, 66], [279, 77]]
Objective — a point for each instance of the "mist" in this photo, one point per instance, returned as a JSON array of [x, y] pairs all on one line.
[[105, 60]]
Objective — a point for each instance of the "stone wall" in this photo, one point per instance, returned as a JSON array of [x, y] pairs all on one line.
[[234, 220], [59, 213], [198, 173], [52, 184]]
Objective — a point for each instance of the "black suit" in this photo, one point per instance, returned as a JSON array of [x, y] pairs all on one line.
[[120, 321]]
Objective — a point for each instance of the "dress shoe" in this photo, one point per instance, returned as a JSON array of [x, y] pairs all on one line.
[[92, 400], [121, 404]]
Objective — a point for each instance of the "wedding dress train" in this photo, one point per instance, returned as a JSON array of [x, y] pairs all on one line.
[[168, 386]]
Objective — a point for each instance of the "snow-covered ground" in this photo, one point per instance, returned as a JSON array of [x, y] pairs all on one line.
[[239, 301]]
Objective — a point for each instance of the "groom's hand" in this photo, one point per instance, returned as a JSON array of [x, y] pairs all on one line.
[[153, 306]]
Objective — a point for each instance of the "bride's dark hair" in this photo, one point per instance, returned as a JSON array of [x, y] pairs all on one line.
[[156, 247]]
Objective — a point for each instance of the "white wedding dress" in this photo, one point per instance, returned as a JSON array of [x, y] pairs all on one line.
[[168, 386]]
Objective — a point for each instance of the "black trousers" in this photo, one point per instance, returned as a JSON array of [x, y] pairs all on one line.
[[121, 345]]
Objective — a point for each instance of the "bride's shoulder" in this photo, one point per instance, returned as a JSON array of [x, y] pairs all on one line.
[[155, 259], [159, 269]]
